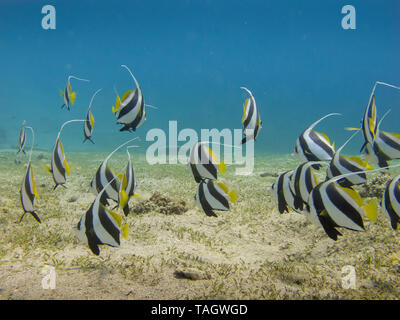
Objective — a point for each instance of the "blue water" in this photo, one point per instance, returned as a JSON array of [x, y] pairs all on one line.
[[190, 58]]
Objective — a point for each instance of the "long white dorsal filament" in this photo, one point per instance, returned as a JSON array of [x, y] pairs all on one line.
[[248, 91], [90, 105], [76, 78], [33, 142], [119, 147], [334, 179], [318, 121], [137, 84], [383, 117], [65, 123], [127, 151], [348, 140]]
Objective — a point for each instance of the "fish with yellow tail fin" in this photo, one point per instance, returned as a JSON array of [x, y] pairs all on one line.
[[204, 163], [59, 166], [385, 147], [101, 226], [212, 195], [89, 123], [251, 118], [314, 146], [128, 185], [130, 110], [283, 193], [104, 175], [302, 181], [332, 206], [369, 122], [28, 192], [21, 139], [345, 164], [391, 202], [69, 95]]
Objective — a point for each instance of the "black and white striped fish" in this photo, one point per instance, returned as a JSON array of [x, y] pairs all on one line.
[[391, 202], [89, 123], [21, 139], [385, 147], [59, 166], [302, 181], [28, 192], [204, 163], [69, 95], [369, 122], [127, 185], [314, 146], [251, 118], [284, 195], [340, 165], [212, 195], [100, 226], [130, 110], [332, 206], [104, 175]]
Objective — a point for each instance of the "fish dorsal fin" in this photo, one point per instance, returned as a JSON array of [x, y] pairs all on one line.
[[314, 176], [67, 166], [212, 154], [353, 194], [371, 124], [356, 160], [115, 216], [359, 161], [324, 135], [34, 185], [222, 186], [126, 94], [395, 134], [245, 109], [117, 104], [371, 210]]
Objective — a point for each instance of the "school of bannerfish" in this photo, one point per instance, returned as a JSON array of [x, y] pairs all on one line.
[[330, 204]]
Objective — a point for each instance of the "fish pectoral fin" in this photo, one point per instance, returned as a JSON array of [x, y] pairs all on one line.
[[61, 93], [47, 167], [371, 210]]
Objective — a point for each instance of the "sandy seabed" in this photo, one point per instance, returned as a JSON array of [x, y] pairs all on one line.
[[249, 252]]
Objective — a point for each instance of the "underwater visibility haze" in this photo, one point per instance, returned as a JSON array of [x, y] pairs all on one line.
[[315, 83]]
